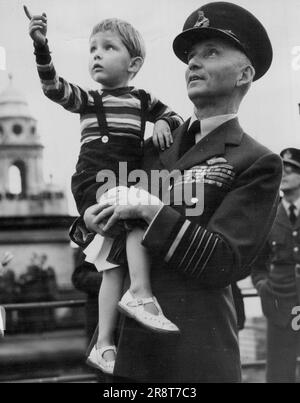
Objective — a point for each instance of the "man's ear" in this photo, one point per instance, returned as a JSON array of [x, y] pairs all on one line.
[[246, 76], [135, 65]]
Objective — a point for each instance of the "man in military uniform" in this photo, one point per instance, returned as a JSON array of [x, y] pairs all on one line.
[[196, 257], [276, 275]]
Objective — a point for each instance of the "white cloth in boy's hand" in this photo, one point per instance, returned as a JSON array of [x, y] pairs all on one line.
[[133, 196], [138, 196], [114, 194]]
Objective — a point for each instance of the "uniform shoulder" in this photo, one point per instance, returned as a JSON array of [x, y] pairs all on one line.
[[257, 149], [251, 155]]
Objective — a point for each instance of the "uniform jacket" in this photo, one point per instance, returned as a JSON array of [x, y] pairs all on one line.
[[276, 274], [196, 258]]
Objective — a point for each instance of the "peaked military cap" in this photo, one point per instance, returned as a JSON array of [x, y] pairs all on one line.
[[230, 22], [291, 156]]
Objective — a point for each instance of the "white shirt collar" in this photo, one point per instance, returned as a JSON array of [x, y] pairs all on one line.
[[286, 205], [210, 124]]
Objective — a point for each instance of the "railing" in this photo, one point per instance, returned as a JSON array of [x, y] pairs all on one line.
[[60, 379], [247, 293], [52, 304]]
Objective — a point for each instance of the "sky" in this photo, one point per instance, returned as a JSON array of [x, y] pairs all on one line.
[[269, 113]]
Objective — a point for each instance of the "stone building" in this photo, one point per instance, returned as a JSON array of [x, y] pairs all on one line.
[[33, 214]]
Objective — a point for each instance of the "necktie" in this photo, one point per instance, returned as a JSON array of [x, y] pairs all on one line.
[[194, 129], [293, 217], [188, 140]]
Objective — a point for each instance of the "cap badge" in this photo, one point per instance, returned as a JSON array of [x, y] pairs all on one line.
[[202, 21], [288, 155]]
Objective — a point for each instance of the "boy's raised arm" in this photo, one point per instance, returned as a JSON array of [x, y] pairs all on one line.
[[70, 96]]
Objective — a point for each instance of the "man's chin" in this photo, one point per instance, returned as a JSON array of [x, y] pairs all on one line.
[[196, 94], [284, 189]]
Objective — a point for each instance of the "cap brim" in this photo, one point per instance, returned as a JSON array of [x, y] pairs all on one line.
[[291, 162], [186, 40]]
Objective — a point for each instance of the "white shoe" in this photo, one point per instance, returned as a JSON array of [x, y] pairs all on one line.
[[134, 308], [96, 360]]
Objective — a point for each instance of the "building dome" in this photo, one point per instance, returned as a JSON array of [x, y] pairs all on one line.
[[17, 125], [13, 103]]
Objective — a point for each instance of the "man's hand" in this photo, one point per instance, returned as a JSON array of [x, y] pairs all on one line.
[[37, 27], [121, 204], [133, 204], [162, 136], [97, 226], [90, 219]]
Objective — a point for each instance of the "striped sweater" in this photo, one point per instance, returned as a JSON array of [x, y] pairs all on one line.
[[122, 106]]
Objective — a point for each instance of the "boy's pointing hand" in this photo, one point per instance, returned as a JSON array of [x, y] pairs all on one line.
[[37, 27]]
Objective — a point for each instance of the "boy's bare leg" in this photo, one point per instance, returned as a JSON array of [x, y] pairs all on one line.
[[109, 296], [139, 268]]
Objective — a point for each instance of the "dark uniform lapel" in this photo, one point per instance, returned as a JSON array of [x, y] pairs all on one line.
[[210, 146], [283, 218]]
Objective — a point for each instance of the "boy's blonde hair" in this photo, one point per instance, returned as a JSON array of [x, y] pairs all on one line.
[[130, 37]]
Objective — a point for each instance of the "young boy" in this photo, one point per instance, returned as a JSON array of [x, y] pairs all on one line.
[[112, 127]]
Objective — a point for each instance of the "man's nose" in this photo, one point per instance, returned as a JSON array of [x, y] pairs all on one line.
[[285, 173], [194, 63]]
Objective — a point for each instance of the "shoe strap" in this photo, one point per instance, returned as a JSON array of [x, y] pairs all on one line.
[[144, 301], [141, 301]]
